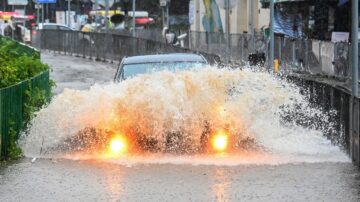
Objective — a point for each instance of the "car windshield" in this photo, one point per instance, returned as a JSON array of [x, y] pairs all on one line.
[[131, 70]]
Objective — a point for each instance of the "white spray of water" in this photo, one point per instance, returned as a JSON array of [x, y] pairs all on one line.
[[246, 102]]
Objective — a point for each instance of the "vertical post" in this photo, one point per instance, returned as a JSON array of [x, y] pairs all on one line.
[[133, 9], [96, 13], [355, 48], [42, 13], [47, 11], [134, 26], [167, 13], [354, 138], [271, 57], [38, 14], [107, 15], [227, 6], [251, 17], [68, 15]]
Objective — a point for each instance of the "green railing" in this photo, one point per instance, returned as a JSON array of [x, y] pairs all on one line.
[[13, 100], [19, 101]]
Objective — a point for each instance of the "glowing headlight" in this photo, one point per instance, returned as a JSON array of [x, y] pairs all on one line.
[[118, 144], [220, 141]]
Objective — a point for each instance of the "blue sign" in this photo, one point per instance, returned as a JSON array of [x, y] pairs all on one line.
[[46, 1]]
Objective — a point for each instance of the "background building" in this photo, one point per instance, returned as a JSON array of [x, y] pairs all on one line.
[[246, 16], [316, 19]]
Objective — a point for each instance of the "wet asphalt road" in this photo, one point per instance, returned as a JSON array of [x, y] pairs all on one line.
[[68, 180]]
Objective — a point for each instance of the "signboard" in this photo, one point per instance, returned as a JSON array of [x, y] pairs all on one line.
[[72, 18], [18, 2], [60, 17], [102, 2], [340, 37], [20, 11], [163, 3], [46, 1]]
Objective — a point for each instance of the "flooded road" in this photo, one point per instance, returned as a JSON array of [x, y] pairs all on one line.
[[64, 180], [298, 164]]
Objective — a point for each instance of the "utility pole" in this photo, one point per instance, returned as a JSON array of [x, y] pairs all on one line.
[[133, 13], [272, 48], [354, 108], [227, 28], [107, 15], [164, 4], [251, 16], [96, 13], [68, 15], [38, 13], [355, 48], [167, 13], [42, 12]]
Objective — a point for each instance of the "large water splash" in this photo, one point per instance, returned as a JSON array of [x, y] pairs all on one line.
[[248, 104]]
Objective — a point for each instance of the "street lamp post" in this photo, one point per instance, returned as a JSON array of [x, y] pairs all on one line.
[[96, 13], [354, 108], [355, 48], [107, 15], [272, 48], [38, 13], [227, 24], [133, 12], [68, 15]]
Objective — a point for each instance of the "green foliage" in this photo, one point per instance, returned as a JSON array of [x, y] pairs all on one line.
[[16, 66], [35, 99], [14, 151]]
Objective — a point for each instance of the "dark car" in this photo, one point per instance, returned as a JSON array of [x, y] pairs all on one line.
[[133, 66]]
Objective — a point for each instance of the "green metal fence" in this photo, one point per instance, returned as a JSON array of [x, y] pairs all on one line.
[[12, 102]]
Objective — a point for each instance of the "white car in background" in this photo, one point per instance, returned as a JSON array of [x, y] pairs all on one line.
[[53, 26]]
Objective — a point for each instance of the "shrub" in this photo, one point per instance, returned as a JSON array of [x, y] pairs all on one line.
[[17, 65], [20, 63]]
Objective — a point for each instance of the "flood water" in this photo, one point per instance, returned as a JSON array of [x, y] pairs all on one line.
[[67, 180], [284, 161]]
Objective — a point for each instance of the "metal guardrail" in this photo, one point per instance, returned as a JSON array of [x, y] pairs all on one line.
[[346, 120], [305, 55], [12, 102], [106, 46]]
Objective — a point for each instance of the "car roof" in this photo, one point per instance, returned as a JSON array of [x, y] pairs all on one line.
[[163, 58]]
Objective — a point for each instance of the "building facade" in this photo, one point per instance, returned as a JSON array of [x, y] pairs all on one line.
[[245, 16]]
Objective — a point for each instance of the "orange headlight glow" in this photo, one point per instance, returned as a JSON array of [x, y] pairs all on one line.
[[220, 141], [118, 144]]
